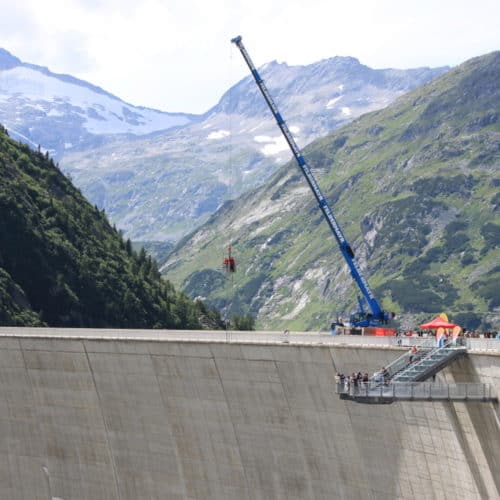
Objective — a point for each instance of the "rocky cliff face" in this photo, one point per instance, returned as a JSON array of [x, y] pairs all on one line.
[[414, 187]]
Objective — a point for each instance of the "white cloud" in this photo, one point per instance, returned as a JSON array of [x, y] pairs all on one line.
[[177, 56]]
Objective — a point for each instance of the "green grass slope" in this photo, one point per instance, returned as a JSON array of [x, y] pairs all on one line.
[[415, 188], [62, 264]]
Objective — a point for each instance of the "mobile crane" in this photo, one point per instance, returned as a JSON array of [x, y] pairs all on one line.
[[377, 315]]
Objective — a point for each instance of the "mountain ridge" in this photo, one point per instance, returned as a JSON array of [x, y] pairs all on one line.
[[60, 112], [172, 181], [9, 61]]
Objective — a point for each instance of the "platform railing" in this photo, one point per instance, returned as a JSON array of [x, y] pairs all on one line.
[[479, 344], [418, 391], [261, 337], [403, 361], [426, 363]]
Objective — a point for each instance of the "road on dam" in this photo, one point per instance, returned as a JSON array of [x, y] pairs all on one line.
[[147, 414]]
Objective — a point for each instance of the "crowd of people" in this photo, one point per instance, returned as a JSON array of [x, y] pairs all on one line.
[[360, 379], [489, 334]]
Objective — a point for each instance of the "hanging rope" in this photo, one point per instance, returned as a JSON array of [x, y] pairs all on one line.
[[229, 261]]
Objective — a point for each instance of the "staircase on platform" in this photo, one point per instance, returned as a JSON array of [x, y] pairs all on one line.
[[402, 379], [429, 363]]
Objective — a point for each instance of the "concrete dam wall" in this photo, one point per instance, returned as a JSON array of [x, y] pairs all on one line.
[[90, 418]]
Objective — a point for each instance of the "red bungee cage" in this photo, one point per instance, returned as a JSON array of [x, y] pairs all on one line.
[[229, 262]]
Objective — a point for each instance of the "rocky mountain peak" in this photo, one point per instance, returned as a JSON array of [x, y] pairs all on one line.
[[7, 60], [106, 146], [345, 61]]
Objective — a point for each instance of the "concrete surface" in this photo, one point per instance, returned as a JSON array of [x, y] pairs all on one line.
[[90, 418]]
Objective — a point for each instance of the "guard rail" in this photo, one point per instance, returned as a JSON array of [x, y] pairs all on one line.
[[236, 336]]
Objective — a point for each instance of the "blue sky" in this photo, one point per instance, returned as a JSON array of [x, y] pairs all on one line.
[[176, 55]]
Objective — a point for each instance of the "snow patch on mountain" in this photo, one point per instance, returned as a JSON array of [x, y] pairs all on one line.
[[273, 145], [331, 103], [218, 134], [100, 113], [263, 138]]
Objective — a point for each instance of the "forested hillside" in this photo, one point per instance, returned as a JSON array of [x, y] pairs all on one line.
[[415, 188], [63, 264]]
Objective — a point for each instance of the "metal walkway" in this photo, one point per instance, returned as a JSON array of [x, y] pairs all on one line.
[[420, 365], [426, 364], [373, 393]]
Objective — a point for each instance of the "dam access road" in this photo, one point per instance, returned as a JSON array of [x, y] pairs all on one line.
[[131, 414]]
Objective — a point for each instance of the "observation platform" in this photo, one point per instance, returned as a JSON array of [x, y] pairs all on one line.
[[403, 379]]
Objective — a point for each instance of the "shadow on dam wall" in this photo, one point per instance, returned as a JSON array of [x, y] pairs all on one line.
[[130, 419], [481, 447]]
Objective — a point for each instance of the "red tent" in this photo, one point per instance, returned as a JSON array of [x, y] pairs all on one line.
[[437, 322]]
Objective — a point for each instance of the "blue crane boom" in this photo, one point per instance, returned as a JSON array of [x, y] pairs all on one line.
[[377, 315]]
